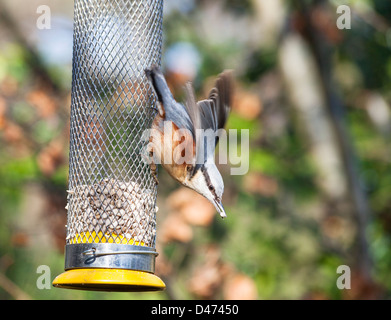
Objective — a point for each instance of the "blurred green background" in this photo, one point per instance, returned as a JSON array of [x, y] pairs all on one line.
[[316, 100]]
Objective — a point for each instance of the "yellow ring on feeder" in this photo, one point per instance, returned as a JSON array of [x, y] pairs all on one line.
[[93, 237], [109, 280]]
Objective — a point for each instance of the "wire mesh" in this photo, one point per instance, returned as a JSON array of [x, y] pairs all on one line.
[[112, 194]]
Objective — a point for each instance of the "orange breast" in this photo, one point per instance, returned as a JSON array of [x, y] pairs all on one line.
[[175, 150]]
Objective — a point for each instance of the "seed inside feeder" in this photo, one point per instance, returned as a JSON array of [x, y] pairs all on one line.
[[111, 211]]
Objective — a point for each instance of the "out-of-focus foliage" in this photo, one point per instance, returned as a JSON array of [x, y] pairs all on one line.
[[285, 235]]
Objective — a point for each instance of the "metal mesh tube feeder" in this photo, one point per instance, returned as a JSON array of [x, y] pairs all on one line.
[[111, 203]]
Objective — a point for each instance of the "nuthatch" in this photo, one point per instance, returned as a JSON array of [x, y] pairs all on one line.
[[197, 170]]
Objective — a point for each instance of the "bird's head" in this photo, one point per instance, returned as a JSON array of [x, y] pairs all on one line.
[[207, 181]]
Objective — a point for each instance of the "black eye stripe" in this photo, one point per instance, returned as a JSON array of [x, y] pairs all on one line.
[[208, 181]]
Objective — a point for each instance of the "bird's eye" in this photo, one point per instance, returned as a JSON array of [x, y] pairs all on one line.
[[189, 168], [211, 188]]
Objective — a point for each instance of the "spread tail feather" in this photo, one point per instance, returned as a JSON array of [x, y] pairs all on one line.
[[159, 84]]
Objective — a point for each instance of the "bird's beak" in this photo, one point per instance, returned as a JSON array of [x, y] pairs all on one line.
[[220, 208]]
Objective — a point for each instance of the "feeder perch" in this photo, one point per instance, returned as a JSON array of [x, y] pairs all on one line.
[[111, 221]]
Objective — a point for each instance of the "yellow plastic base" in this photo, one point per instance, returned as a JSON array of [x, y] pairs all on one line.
[[109, 280]]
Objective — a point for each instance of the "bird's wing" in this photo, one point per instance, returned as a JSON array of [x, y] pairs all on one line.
[[210, 114], [214, 111], [192, 108]]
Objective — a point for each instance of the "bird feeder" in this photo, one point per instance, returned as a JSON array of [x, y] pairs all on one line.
[[111, 203]]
